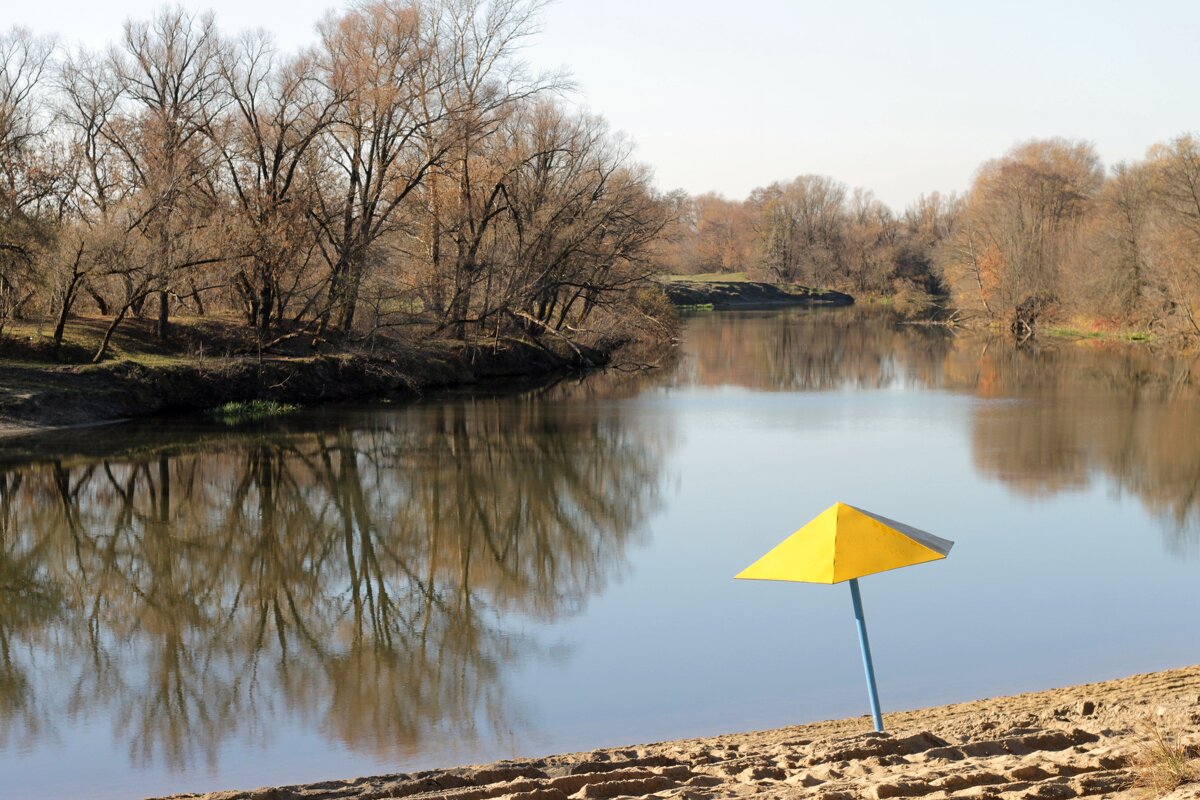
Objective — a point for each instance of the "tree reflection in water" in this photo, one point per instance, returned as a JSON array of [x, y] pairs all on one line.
[[1128, 411], [1124, 411], [367, 580]]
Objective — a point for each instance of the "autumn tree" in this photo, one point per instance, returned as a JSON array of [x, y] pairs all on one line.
[[720, 238], [372, 57], [27, 177], [424, 84], [480, 84], [90, 237], [580, 218], [168, 71], [871, 238], [1112, 272], [925, 224], [800, 229], [1175, 184], [1020, 222], [279, 108], [557, 223]]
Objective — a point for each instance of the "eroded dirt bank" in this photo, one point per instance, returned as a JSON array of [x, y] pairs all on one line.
[[35, 397], [1081, 741]]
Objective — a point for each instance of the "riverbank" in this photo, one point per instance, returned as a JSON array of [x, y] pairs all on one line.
[[39, 396], [736, 292], [1092, 740]]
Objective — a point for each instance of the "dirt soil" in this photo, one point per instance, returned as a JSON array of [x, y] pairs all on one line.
[[1081, 741]]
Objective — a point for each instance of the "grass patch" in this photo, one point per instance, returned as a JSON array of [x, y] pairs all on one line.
[[249, 410], [1161, 764], [696, 307], [708, 277], [1060, 332], [874, 299], [135, 340]]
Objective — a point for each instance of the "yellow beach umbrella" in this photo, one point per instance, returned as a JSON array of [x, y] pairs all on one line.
[[843, 543]]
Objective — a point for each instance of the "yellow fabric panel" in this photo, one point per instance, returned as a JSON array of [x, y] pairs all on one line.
[[865, 545], [838, 544], [807, 555]]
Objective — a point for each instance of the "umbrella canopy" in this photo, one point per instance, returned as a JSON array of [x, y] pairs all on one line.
[[844, 542]]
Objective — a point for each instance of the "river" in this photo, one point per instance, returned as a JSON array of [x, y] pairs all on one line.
[[190, 606]]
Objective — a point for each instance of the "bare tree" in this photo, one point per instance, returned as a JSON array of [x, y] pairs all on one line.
[[26, 181], [169, 73], [377, 57], [279, 111], [1175, 175], [410, 161], [1112, 272], [575, 225], [1021, 222]]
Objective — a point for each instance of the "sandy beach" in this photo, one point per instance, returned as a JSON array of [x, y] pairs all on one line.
[[1081, 741]]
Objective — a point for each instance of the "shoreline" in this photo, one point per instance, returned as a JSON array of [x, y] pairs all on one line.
[[1075, 741], [38, 398], [13, 431], [725, 295]]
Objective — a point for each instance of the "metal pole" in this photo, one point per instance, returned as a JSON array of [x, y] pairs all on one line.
[[868, 667]]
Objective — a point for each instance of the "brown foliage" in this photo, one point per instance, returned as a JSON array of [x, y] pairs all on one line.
[[408, 162], [1045, 230], [1020, 221], [814, 231]]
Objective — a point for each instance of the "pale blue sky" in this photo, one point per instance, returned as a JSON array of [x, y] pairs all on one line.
[[898, 97]]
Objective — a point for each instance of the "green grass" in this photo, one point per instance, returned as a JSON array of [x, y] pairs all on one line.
[[1077, 333], [135, 340], [249, 410], [696, 307]]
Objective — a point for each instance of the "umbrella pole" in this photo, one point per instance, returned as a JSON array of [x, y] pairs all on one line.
[[868, 667]]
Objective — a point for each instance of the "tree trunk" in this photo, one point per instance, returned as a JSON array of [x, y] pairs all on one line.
[[64, 311], [108, 333], [350, 304], [199, 300], [266, 306], [164, 310], [101, 303], [459, 308]]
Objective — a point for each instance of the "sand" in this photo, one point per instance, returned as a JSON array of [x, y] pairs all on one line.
[[1082, 741]]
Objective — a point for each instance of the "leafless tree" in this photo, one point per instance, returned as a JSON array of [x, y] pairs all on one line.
[[26, 178], [169, 73], [270, 149]]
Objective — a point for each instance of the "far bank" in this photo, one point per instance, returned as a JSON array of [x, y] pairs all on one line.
[[736, 291]]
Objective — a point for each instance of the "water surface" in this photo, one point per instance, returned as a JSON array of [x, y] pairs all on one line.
[[186, 606]]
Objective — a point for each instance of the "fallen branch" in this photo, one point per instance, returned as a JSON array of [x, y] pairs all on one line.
[[530, 318]]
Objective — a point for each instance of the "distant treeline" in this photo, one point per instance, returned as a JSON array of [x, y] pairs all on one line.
[[407, 170], [1044, 232]]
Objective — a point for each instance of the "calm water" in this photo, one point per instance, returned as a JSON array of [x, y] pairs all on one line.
[[187, 607]]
